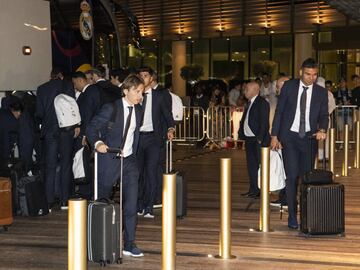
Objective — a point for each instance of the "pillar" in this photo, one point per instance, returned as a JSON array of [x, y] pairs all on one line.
[[178, 61], [303, 50]]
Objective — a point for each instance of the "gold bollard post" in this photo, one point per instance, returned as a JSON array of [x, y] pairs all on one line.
[[225, 210], [77, 249], [264, 225], [332, 149], [169, 222], [357, 149], [346, 151]]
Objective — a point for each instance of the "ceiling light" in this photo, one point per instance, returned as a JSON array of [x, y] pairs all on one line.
[[36, 27]]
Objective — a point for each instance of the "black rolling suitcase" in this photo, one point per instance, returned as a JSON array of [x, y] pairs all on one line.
[[321, 203], [322, 209], [30, 196], [104, 225], [181, 187]]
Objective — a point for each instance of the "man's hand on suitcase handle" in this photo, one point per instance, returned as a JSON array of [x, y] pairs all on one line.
[[275, 143], [170, 134], [101, 147], [320, 135]]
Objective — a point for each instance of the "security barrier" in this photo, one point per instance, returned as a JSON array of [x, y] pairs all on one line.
[[192, 128], [220, 123], [344, 115]]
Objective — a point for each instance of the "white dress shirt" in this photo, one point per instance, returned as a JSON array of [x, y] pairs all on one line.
[[247, 130], [147, 125], [78, 93], [296, 124], [128, 146]]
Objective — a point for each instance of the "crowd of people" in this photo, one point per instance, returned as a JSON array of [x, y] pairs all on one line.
[[132, 112]]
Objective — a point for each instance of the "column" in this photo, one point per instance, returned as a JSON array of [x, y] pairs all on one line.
[[303, 50], [178, 61]]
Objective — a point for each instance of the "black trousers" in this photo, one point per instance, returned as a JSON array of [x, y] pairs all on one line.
[[148, 160], [252, 149], [58, 147], [299, 157]]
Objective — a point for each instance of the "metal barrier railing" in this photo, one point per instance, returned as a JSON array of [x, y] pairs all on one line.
[[222, 122], [219, 123], [342, 115], [192, 128]]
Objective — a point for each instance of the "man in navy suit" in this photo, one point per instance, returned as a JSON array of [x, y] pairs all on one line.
[[157, 114], [301, 112], [89, 104], [55, 141], [117, 126], [254, 129], [108, 92]]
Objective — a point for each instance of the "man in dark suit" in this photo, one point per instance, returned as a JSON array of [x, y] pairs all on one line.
[[53, 137], [108, 92], [301, 112], [122, 133], [254, 129], [89, 104], [157, 114]]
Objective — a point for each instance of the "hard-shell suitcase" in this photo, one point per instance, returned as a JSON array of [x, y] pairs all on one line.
[[322, 209], [181, 187], [104, 225], [6, 215]]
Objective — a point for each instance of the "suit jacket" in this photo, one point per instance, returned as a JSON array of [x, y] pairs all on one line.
[[108, 92], [258, 121], [45, 110], [99, 129], [161, 113], [286, 109], [89, 104]]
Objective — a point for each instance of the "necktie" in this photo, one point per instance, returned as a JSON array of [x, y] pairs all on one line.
[[127, 126], [143, 107], [302, 112]]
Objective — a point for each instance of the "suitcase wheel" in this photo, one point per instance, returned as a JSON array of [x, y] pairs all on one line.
[[6, 228], [119, 261]]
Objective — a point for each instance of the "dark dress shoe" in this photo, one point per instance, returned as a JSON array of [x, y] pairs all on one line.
[[247, 194], [292, 224], [293, 227], [254, 195]]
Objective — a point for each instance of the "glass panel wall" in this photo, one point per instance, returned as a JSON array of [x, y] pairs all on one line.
[[282, 54], [220, 65], [165, 74], [150, 53], [260, 51], [240, 57], [201, 55]]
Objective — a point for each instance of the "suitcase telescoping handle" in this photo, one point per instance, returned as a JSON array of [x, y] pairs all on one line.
[[110, 150], [311, 138], [168, 165]]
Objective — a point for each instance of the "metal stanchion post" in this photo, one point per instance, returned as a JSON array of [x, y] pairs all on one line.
[[169, 222], [346, 151], [225, 210], [332, 149], [357, 143], [264, 225], [77, 255]]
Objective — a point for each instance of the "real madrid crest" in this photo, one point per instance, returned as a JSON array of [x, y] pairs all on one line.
[[86, 22]]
